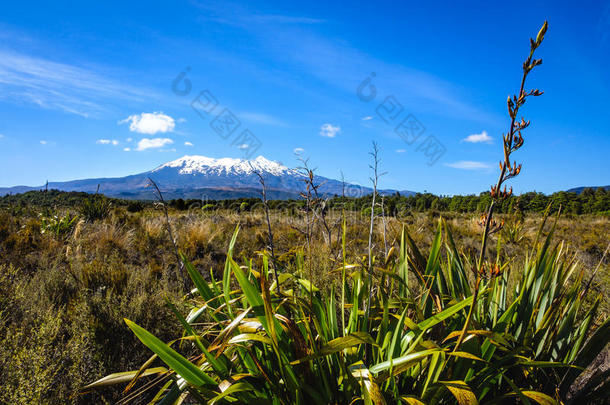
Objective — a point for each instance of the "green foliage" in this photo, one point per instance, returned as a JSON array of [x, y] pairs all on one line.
[[58, 226], [587, 202], [135, 206], [262, 345], [49, 199], [95, 208], [512, 231]]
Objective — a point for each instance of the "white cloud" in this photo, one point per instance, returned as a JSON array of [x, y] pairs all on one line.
[[401, 150], [468, 165], [298, 151], [43, 142], [129, 139], [107, 142], [329, 130], [153, 143], [367, 118], [243, 146], [187, 143], [150, 123], [127, 149], [478, 138]]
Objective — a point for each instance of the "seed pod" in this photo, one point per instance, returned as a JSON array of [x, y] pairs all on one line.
[[510, 104], [541, 33]]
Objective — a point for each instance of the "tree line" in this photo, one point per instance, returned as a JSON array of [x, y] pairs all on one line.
[[589, 201]]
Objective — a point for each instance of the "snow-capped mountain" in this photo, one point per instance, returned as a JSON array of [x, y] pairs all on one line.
[[201, 177], [225, 166]]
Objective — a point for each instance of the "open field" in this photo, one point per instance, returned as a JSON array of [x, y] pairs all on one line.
[[66, 285]]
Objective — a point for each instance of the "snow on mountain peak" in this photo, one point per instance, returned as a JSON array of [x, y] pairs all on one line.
[[194, 164]]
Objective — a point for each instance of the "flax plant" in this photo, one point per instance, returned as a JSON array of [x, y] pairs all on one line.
[[512, 141]]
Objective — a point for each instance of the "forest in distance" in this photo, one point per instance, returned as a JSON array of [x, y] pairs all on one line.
[[588, 201]]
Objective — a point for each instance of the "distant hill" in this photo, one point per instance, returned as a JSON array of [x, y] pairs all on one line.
[[579, 190], [200, 177]]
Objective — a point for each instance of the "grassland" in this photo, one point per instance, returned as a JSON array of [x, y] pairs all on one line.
[[66, 282]]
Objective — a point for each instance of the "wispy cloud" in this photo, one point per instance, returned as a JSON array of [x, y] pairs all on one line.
[[329, 130], [261, 118], [283, 19], [469, 165], [298, 151], [401, 150], [59, 86], [342, 65], [367, 118], [150, 123], [43, 142], [113, 142], [241, 17], [187, 143], [483, 137], [153, 143]]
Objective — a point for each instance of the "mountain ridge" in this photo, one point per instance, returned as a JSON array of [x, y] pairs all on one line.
[[579, 190], [202, 177]]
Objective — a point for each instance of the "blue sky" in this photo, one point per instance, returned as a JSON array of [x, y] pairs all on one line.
[[94, 89]]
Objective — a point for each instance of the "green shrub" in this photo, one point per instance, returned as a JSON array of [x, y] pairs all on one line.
[[135, 206], [96, 207]]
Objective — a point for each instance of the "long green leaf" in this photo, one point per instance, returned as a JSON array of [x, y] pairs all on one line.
[[118, 378], [461, 391], [187, 370], [339, 344]]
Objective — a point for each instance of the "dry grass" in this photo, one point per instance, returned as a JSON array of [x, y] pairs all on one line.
[[106, 270]]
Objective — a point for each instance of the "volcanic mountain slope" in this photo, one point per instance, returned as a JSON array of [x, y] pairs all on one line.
[[200, 177]]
